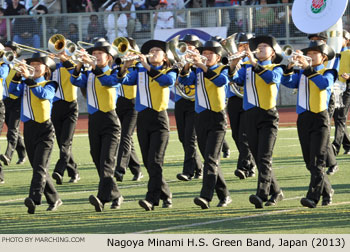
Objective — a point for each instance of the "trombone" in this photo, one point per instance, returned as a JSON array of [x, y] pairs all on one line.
[[226, 60], [122, 46], [71, 49], [182, 51]]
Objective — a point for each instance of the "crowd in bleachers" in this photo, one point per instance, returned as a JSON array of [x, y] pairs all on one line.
[[268, 20]]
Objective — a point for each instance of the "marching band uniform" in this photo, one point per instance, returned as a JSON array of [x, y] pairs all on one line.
[[4, 70], [313, 85], [37, 95], [341, 135], [246, 163], [12, 116], [331, 162], [210, 124], [184, 116], [261, 84], [152, 99], [127, 114], [104, 127], [64, 118]]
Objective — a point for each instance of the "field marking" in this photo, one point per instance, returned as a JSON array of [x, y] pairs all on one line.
[[229, 219]]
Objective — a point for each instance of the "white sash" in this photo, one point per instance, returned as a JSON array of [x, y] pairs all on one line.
[[143, 85], [56, 76], [91, 91], [27, 108], [202, 96], [303, 93], [251, 93]]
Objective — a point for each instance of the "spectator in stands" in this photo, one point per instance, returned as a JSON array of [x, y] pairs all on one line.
[[177, 5], [152, 4], [95, 29], [120, 24], [87, 4], [14, 8], [129, 6], [73, 34], [142, 17], [26, 30], [264, 18], [54, 23], [40, 9], [164, 19], [3, 28], [280, 21], [74, 6]]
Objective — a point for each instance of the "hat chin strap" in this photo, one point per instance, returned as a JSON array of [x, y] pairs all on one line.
[[267, 58]]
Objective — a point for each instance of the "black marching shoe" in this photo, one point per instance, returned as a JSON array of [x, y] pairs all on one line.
[[198, 174], [5, 159], [28, 202], [240, 174], [59, 179], [308, 203], [183, 177], [226, 154], [21, 161], [117, 202], [167, 203], [224, 202], [2, 181], [274, 199], [137, 177], [347, 152], [53, 207], [333, 169], [148, 206], [203, 203], [251, 172], [326, 201], [96, 203], [74, 179], [256, 200], [118, 176]]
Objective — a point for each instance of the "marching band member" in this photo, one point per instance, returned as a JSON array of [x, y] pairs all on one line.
[[341, 135], [64, 118], [12, 115], [246, 163], [127, 114], [37, 92], [184, 116], [261, 79], [210, 121], [153, 80], [313, 82], [104, 125], [331, 162], [4, 71]]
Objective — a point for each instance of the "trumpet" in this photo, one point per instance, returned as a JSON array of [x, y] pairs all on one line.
[[182, 51], [9, 58], [226, 60], [289, 52], [120, 60]]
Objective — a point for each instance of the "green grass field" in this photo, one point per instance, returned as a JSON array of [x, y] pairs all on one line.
[[76, 215]]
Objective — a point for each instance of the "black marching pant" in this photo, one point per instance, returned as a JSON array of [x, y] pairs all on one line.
[[104, 134], [185, 117], [331, 154], [153, 136], [64, 118], [126, 154], [12, 119], [237, 121], [2, 120], [210, 128], [39, 140], [261, 129], [313, 131], [341, 135]]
